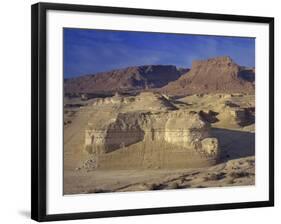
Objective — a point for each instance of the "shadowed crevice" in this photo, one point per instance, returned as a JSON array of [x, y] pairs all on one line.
[[234, 144]]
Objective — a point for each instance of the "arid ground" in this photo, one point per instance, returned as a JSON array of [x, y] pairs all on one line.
[[231, 119]]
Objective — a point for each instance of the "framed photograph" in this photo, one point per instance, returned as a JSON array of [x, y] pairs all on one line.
[[140, 111]]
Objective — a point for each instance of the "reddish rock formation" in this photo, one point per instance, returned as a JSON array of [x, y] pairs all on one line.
[[129, 79], [220, 74]]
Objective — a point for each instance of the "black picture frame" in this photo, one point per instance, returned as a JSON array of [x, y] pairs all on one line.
[[39, 122]]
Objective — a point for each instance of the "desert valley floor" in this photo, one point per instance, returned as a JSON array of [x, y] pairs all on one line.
[[231, 120]]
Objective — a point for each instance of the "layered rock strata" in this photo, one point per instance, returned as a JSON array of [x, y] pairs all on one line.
[[215, 75], [147, 131]]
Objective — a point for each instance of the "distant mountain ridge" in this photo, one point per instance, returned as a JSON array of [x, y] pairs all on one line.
[[135, 78], [214, 75]]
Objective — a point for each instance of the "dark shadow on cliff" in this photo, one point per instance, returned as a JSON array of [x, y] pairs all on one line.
[[234, 144]]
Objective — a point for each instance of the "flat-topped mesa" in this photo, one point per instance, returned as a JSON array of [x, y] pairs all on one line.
[[215, 70], [216, 61], [214, 75], [139, 138]]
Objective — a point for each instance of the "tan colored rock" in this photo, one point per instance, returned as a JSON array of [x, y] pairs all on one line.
[[211, 146], [186, 129], [147, 131]]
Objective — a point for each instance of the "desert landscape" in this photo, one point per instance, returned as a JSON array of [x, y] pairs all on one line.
[[157, 127]]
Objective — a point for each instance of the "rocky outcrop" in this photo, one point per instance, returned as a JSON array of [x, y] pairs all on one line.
[[215, 75], [222, 110], [185, 130], [128, 79], [147, 131], [238, 115]]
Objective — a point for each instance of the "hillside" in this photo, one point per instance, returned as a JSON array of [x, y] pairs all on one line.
[[128, 79], [215, 75]]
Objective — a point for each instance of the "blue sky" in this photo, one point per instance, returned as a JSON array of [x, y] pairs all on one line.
[[89, 51]]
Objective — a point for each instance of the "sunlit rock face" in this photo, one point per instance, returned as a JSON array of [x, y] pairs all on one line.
[[185, 130], [149, 131]]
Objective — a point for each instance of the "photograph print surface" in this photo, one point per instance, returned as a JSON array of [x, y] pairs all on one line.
[[156, 111]]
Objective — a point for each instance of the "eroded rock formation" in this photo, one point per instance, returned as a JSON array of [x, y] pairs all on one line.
[[147, 131]]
